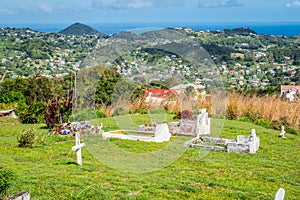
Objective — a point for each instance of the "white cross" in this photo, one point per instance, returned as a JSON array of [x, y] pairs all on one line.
[[77, 148], [282, 132]]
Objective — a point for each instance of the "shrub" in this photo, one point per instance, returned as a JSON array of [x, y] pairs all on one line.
[[186, 114], [5, 181], [100, 114], [32, 113], [26, 138], [141, 111]]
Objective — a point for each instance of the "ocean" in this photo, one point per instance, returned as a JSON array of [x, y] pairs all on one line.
[[270, 28]]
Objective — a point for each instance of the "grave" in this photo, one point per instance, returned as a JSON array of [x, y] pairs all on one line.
[[243, 144], [78, 148], [185, 127], [161, 134]]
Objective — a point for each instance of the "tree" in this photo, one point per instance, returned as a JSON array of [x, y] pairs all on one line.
[[31, 113], [58, 110], [106, 85]]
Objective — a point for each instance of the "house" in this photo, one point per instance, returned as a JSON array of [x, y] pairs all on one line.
[[8, 113], [290, 92], [158, 95], [198, 89]]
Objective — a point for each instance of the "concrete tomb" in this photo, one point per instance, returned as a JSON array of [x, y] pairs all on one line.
[[243, 144], [161, 134], [185, 127]]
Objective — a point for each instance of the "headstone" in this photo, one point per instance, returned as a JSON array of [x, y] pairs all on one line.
[[280, 194], [253, 133], [162, 133], [282, 132], [203, 123], [78, 148]]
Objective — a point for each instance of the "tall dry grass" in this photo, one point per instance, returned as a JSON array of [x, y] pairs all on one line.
[[270, 108]]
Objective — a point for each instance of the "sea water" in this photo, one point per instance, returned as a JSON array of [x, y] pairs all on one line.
[[270, 28]]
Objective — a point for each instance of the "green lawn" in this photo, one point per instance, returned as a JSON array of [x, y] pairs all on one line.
[[49, 170]]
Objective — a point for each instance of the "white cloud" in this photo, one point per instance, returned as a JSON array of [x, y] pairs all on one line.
[[131, 4], [43, 7], [139, 4], [120, 4], [6, 11], [218, 3], [293, 4], [170, 2]]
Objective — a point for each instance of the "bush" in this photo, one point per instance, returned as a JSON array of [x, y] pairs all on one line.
[[32, 113], [100, 114], [26, 138], [141, 111], [5, 181]]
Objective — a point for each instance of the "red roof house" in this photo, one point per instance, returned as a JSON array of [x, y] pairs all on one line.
[[158, 95]]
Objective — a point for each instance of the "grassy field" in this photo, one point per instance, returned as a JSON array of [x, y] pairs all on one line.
[[49, 170]]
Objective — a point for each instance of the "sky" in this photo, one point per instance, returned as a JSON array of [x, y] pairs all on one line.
[[125, 11]]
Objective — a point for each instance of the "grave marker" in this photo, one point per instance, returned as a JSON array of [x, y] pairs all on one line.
[[78, 148], [280, 194], [282, 132]]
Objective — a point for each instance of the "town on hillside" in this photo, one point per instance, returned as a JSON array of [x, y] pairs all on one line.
[[243, 58]]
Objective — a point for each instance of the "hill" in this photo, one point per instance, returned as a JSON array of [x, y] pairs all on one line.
[[79, 29], [239, 31]]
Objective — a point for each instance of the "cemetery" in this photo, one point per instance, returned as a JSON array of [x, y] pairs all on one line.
[[63, 168], [162, 132], [198, 126]]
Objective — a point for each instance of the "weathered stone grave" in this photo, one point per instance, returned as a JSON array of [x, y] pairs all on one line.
[[243, 144], [200, 125], [78, 148]]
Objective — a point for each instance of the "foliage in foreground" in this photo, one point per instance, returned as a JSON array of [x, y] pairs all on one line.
[[26, 138], [5, 181]]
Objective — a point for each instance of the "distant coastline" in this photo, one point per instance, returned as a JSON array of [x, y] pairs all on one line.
[[270, 28]]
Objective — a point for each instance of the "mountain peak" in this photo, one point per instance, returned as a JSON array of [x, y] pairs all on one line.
[[79, 29]]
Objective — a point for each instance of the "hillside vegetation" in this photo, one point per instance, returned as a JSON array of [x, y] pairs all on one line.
[[79, 29]]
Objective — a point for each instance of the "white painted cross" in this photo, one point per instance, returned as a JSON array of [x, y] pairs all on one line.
[[77, 148], [282, 132]]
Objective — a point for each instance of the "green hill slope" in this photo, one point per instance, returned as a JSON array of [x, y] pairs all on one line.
[[79, 29]]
